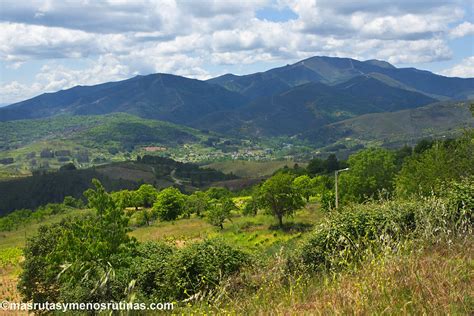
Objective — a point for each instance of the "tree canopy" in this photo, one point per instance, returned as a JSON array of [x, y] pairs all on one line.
[[279, 196]]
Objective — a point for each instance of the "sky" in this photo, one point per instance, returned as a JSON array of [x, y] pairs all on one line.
[[49, 45]]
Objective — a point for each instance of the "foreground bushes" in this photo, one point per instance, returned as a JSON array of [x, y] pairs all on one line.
[[149, 271], [166, 272], [346, 236]]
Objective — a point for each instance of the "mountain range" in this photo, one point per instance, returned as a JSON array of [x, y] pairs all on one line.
[[305, 98]]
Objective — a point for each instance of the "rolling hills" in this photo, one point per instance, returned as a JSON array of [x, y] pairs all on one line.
[[319, 101], [279, 102], [158, 96], [441, 119]]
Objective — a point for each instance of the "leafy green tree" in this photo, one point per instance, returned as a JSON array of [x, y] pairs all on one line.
[[220, 211], [77, 260], [169, 204], [198, 203], [401, 154], [371, 171], [331, 164], [72, 202], [423, 145], [316, 166], [251, 206], [303, 185], [425, 173], [328, 200], [217, 193], [146, 195], [124, 198], [279, 196]]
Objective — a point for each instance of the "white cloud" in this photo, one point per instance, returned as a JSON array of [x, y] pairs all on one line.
[[55, 77], [20, 42], [463, 29], [465, 69]]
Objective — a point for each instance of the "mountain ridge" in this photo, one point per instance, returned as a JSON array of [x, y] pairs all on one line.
[[282, 101]]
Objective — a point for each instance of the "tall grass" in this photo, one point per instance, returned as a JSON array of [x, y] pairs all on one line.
[[382, 257]]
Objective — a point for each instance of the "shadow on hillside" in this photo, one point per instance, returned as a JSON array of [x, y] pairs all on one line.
[[292, 227]]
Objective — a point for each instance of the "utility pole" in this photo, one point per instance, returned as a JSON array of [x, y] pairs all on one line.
[[335, 184]]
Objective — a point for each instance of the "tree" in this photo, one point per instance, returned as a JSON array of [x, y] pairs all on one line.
[[401, 154], [425, 173], [72, 202], [423, 145], [146, 195], [303, 185], [220, 211], [316, 166], [371, 171], [217, 193], [77, 259], [68, 167], [198, 202], [124, 198], [169, 204], [279, 196], [331, 163]]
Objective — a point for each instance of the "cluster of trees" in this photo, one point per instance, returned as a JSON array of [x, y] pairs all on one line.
[[170, 204], [377, 172], [93, 259]]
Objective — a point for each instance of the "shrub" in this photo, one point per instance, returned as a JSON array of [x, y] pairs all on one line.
[[151, 270], [200, 267], [164, 272], [82, 259], [346, 236]]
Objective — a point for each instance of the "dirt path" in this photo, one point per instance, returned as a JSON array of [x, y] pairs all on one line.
[[173, 177]]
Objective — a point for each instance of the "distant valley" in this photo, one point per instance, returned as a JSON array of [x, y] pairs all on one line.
[[317, 106]]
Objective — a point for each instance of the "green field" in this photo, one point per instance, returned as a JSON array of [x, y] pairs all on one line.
[[252, 169]]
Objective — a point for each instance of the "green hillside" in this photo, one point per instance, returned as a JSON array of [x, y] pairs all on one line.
[[315, 104], [27, 145], [443, 119]]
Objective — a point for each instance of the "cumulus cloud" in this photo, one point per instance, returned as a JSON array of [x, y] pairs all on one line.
[[54, 77], [91, 16], [465, 69], [463, 29]]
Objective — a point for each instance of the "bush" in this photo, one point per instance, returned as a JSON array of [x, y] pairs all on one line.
[[200, 267], [164, 272], [346, 236], [151, 270]]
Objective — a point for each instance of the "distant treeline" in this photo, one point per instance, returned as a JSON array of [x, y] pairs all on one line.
[[53, 187], [41, 189]]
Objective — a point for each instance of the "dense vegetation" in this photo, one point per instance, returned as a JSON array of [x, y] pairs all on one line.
[[53, 187], [383, 218]]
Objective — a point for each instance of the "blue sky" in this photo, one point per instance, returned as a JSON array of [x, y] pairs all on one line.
[[51, 45]]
